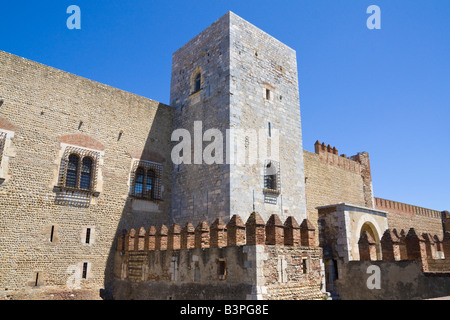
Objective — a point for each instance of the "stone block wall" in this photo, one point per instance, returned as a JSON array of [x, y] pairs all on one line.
[[264, 266], [44, 229]]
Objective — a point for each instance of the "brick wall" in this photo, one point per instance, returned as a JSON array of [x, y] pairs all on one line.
[[48, 109], [405, 216], [332, 179]]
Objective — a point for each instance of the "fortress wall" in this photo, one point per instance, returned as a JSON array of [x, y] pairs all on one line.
[[43, 229], [331, 179], [405, 216]]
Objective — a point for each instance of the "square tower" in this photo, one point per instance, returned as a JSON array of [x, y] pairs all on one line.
[[242, 83]]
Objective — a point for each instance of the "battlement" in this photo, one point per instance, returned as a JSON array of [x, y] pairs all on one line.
[[330, 155], [219, 235], [431, 250], [406, 209]]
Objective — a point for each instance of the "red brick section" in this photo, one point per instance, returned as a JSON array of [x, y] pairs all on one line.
[[416, 248], [218, 234], [130, 240], [140, 239], [161, 238], [367, 247], [202, 236], [255, 230], [292, 236], [390, 246], [308, 234], [236, 232], [151, 239], [275, 231], [82, 140], [147, 155], [402, 243], [6, 125], [174, 238], [188, 236]]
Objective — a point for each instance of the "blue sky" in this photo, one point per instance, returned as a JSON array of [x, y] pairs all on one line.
[[384, 91]]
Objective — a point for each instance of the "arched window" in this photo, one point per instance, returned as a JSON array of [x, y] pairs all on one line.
[[139, 182], [72, 171], [150, 182], [198, 82], [86, 174]]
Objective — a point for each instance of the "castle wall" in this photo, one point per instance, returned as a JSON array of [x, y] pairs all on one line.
[[401, 280], [405, 216], [43, 228], [257, 261], [332, 179]]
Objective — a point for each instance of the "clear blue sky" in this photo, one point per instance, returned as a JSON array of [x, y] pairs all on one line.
[[384, 91]]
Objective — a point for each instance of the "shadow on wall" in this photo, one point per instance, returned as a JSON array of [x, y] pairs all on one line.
[[149, 188]]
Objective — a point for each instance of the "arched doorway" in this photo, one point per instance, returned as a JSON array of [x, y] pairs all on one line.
[[372, 231]]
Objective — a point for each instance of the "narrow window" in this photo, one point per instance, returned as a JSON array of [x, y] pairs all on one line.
[[72, 171], [267, 94], [36, 281], [305, 265], [86, 174], [270, 179], [221, 269], [139, 182], [52, 233], [88, 235], [85, 267], [198, 82], [269, 127]]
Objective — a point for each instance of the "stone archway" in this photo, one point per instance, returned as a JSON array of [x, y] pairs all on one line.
[[370, 228]]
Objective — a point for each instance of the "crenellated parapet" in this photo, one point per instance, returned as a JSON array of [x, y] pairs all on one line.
[[430, 250], [218, 235]]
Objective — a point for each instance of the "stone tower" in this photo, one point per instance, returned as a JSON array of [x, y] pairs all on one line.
[[243, 83]]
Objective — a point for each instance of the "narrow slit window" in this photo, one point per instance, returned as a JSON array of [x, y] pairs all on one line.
[[52, 232], [85, 267], [269, 129], [305, 266], [88, 235], [36, 281], [198, 82], [267, 94], [221, 269]]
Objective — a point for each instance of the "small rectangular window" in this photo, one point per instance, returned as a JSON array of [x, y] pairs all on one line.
[[85, 267], [221, 269], [52, 232], [36, 282], [269, 131], [305, 265], [267, 94], [88, 235]]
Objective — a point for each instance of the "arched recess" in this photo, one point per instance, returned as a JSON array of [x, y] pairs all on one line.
[[370, 228]]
